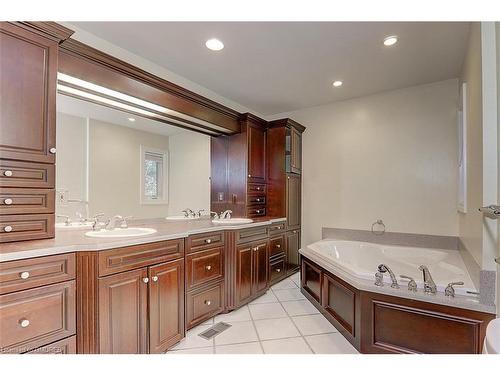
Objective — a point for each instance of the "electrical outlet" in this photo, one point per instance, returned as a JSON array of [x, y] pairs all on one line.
[[221, 196], [62, 197]]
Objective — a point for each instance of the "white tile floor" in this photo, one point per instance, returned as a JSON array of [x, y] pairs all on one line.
[[282, 321]]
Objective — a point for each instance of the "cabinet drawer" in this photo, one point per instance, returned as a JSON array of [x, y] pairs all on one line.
[[204, 266], [30, 273], [253, 200], [26, 227], [276, 246], [66, 346], [26, 175], [257, 211], [37, 317], [205, 240], [203, 304], [277, 228], [26, 201], [251, 234], [277, 269], [137, 256], [258, 189]]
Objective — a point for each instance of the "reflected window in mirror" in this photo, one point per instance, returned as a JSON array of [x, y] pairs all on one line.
[[154, 176]]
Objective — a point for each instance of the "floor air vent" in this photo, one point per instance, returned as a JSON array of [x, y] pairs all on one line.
[[214, 330]]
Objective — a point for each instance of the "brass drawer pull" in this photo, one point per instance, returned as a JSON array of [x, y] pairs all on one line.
[[145, 280], [24, 275], [52, 150], [208, 268], [7, 201], [155, 278], [278, 246], [208, 240], [208, 302], [24, 322], [7, 173], [278, 270], [7, 229]]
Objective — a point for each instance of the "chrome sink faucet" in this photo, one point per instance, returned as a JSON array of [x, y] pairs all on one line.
[[226, 214], [96, 224], [429, 284], [188, 212], [384, 268]]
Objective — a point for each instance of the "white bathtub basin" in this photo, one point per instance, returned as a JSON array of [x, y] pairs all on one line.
[[121, 232], [360, 259]]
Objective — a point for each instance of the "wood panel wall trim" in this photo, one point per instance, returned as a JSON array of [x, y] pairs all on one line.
[[87, 334], [250, 117], [204, 108], [287, 122], [48, 29]]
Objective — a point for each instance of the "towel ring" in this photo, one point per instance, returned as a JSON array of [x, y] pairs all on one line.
[[378, 232]]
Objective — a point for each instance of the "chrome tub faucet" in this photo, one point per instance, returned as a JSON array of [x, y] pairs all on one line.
[[429, 284], [384, 268]]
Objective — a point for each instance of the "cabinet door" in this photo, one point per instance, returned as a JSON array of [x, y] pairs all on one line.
[[310, 279], [166, 305], [260, 267], [28, 67], [244, 257], [123, 307], [295, 151], [292, 248], [256, 154], [293, 211]]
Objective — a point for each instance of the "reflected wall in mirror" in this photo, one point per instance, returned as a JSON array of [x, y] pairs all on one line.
[[112, 162]]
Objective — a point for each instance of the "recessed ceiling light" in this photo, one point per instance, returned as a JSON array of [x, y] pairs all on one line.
[[390, 40], [214, 44], [131, 119], [337, 83]]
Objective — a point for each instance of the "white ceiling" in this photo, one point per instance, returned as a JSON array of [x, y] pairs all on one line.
[[283, 66], [82, 108]]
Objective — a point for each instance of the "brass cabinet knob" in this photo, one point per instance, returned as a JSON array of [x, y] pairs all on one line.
[[52, 150], [145, 280], [155, 278], [249, 175], [7, 229], [208, 240], [258, 188], [278, 270], [7, 201], [208, 302], [7, 173], [24, 275], [278, 246], [24, 322], [208, 268]]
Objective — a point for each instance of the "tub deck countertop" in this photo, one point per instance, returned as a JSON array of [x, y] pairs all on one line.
[[460, 301], [71, 240]]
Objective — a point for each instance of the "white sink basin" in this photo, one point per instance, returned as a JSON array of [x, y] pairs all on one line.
[[75, 225], [181, 218], [119, 232], [236, 220]]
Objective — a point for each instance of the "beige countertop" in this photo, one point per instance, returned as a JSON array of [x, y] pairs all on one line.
[[70, 240]]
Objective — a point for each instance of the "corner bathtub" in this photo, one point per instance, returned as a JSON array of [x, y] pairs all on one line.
[[361, 259]]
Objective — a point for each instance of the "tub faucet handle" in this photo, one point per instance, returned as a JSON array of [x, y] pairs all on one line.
[[379, 279], [385, 268], [450, 291], [412, 285], [429, 284]]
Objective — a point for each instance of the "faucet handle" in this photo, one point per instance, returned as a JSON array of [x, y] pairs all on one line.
[[198, 214], [379, 279], [124, 223], [450, 291], [67, 220], [216, 215], [412, 285]]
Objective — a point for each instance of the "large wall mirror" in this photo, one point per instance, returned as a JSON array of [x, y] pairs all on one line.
[[115, 162]]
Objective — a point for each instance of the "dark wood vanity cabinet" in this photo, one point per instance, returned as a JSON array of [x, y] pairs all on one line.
[[238, 166], [293, 201], [28, 67], [292, 251], [131, 299], [252, 267]]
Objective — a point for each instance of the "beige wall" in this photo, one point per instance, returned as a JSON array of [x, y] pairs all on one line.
[[470, 224], [391, 156], [114, 170], [189, 172]]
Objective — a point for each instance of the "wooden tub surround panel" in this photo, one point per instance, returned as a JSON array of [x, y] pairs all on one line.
[[379, 323]]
